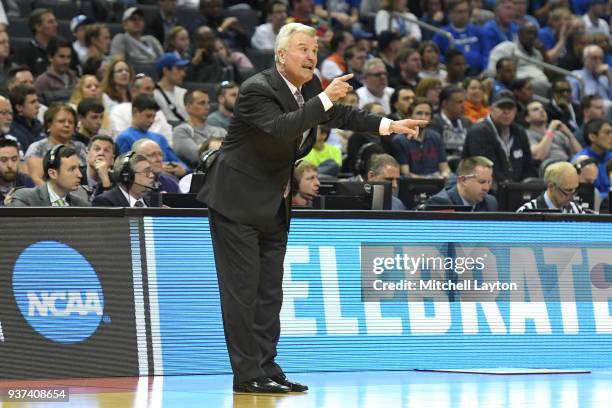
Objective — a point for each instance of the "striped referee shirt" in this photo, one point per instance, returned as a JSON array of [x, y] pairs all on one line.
[[542, 202]]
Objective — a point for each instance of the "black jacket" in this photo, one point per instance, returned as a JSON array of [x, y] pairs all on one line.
[[451, 196]]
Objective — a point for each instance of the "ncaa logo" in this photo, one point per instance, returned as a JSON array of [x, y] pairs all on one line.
[[58, 292]]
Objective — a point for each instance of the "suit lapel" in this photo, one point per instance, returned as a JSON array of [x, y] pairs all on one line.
[[283, 92], [43, 195]]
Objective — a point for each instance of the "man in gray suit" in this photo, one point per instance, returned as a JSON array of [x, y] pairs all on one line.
[[247, 192], [63, 178], [475, 175]]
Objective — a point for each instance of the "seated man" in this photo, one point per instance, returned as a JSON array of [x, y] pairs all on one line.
[[474, 179], [561, 106], [135, 178], [598, 135], [132, 44], [62, 176], [58, 76], [91, 114], [384, 167], [100, 156], [10, 176], [164, 182], [327, 158], [144, 109], [423, 156], [587, 173], [307, 183], [562, 180]]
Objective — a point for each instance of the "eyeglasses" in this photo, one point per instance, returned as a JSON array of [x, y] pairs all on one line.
[[378, 74], [567, 193], [146, 172], [6, 112], [563, 90]]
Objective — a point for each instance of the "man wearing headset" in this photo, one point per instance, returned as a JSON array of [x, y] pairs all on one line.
[[306, 184], [135, 178], [62, 175]]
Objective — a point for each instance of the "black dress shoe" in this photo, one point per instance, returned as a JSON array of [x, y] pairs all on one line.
[[262, 385], [293, 386]]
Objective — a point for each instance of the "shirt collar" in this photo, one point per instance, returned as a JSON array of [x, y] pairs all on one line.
[[548, 201], [292, 87], [53, 197], [131, 200]]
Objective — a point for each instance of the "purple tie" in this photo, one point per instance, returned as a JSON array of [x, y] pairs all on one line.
[[299, 98]]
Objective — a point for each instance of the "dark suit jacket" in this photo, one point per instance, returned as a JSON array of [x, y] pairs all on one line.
[[451, 196], [114, 198], [39, 197], [246, 182]]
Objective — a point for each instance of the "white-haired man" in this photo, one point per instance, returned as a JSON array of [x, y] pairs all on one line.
[[595, 75], [247, 192]]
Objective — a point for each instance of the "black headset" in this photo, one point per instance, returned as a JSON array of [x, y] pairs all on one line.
[[54, 159], [364, 154], [126, 173], [581, 165]]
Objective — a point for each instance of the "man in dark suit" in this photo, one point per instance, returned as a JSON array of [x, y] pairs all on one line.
[[62, 173], [247, 192], [475, 175], [135, 178]]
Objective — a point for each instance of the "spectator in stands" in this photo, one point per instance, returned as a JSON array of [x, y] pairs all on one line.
[[523, 46], [572, 60], [384, 167], [135, 179], [475, 107], [562, 181], [6, 118], [550, 142], [334, 65], [326, 157], [121, 115], [227, 92], [523, 93], [368, 9], [389, 44], [97, 41], [307, 183], [502, 141], [5, 62], [177, 41], [19, 75], [343, 14], [61, 168], [100, 157], [302, 12], [401, 103], [87, 87], [561, 107], [432, 13], [59, 124], [237, 59], [430, 59], [116, 84], [395, 16], [188, 136], [165, 172], [265, 34], [474, 180], [451, 123], [91, 113], [78, 26], [455, 67], [375, 88], [596, 76], [340, 137], [429, 89], [423, 156], [43, 26], [480, 14], [520, 14], [587, 173], [10, 176], [408, 66], [132, 45], [229, 28], [168, 93], [160, 24], [144, 109], [598, 135], [592, 107], [593, 21], [355, 59], [554, 36], [505, 73], [25, 127], [467, 37], [206, 65], [58, 76], [359, 139], [502, 29]]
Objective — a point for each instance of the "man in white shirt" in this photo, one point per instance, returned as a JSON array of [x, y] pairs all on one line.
[[265, 34], [375, 88], [121, 115], [593, 21], [168, 92]]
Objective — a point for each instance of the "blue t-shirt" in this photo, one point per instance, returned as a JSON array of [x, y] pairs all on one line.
[[547, 36], [492, 35], [603, 181], [126, 139], [423, 157], [468, 41]]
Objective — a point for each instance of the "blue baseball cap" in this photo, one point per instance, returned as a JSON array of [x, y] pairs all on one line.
[[80, 20], [169, 60]]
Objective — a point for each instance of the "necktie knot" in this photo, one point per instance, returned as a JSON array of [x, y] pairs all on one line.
[[61, 202], [138, 204], [299, 98]]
